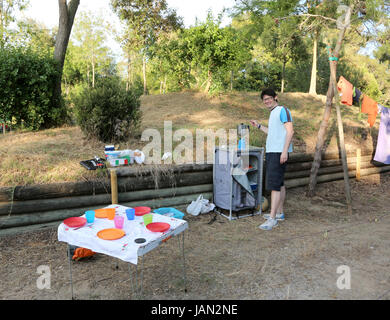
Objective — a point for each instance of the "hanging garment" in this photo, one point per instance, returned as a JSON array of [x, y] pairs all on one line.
[[345, 88], [356, 96], [370, 106], [382, 153]]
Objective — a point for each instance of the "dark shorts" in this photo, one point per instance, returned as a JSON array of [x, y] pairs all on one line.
[[274, 171]]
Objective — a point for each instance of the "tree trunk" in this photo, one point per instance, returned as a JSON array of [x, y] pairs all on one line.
[[93, 72], [283, 75], [128, 71], [88, 76], [67, 14], [1, 24], [231, 80], [209, 79], [144, 72], [328, 106], [313, 80]]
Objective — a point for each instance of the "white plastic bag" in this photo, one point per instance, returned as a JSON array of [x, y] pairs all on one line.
[[207, 206], [200, 205], [195, 207]]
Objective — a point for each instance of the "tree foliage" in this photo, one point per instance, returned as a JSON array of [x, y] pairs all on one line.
[[26, 80], [108, 112], [7, 16]]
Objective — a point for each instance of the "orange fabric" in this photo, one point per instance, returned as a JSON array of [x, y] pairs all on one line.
[[346, 90], [370, 106], [82, 253]]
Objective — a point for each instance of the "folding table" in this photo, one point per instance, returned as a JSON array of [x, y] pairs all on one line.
[[124, 248]]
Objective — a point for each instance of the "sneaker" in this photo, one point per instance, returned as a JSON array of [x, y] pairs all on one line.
[[269, 224], [279, 216]]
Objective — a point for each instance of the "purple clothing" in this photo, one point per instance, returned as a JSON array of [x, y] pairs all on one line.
[[382, 153]]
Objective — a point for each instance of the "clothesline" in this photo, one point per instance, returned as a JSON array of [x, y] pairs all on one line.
[[351, 95]]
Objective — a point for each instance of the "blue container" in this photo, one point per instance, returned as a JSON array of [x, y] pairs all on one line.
[[109, 148], [130, 213], [170, 212]]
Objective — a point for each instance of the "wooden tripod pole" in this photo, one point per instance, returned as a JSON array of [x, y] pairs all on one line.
[[333, 93], [342, 143]]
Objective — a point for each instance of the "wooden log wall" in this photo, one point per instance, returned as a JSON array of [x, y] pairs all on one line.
[[23, 207]]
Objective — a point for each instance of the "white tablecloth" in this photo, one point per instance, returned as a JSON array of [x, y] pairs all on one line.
[[124, 248]]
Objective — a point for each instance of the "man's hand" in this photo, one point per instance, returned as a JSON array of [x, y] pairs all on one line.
[[254, 123], [283, 157]]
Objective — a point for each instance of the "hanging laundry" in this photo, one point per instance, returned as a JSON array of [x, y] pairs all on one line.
[[345, 88], [356, 96], [370, 106], [382, 153]]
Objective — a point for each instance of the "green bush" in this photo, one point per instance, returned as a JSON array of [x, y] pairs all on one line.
[[27, 82], [107, 112]]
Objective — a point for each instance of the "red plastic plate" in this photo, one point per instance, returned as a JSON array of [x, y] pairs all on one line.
[[158, 226], [75, 222], [140, 211]]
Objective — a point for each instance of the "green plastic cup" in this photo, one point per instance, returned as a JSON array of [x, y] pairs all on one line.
[[148, 218]]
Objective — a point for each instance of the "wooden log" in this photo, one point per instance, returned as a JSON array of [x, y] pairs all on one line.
[[102, 186], [54, 190], [152, 169], [30, 206], [178, 180], [306, 157], [50, 216], [326, 170], [299, 166], [292, 183], [125, 184], [29, 228]]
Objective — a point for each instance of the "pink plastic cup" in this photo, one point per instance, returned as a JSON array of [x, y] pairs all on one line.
[[118, 221]]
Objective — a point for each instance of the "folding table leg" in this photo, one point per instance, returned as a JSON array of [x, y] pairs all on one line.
[[70, 271], [184, 263], [137, 289]]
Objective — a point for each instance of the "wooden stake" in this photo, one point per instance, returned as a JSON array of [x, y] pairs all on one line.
[[358, 161], [342, 150], [114, 186]]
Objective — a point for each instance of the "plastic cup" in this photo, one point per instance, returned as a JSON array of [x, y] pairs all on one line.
[[148, 218], [118, 221], [110, 213], [130, 213], [90, 215]]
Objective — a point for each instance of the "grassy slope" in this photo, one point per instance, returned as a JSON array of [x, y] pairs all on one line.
[[54, 155]]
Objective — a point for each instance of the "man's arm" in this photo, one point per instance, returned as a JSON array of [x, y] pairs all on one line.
[[289, 135], [256, 124]]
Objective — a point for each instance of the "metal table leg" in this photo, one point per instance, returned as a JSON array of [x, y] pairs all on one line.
[[137, 284], [184, 263], [70, 271], [137, 289]]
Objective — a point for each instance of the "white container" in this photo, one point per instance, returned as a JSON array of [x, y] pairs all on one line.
[[114, 162]]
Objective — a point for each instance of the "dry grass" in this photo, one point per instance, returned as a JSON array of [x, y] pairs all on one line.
[[53, 155]]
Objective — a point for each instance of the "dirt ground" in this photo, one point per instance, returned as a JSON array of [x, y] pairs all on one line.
[[231, 259]]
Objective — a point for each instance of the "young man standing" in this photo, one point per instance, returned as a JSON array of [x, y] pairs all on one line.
[[278, 145]]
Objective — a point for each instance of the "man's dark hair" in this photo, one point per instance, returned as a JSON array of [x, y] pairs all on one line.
[[268, 92]]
